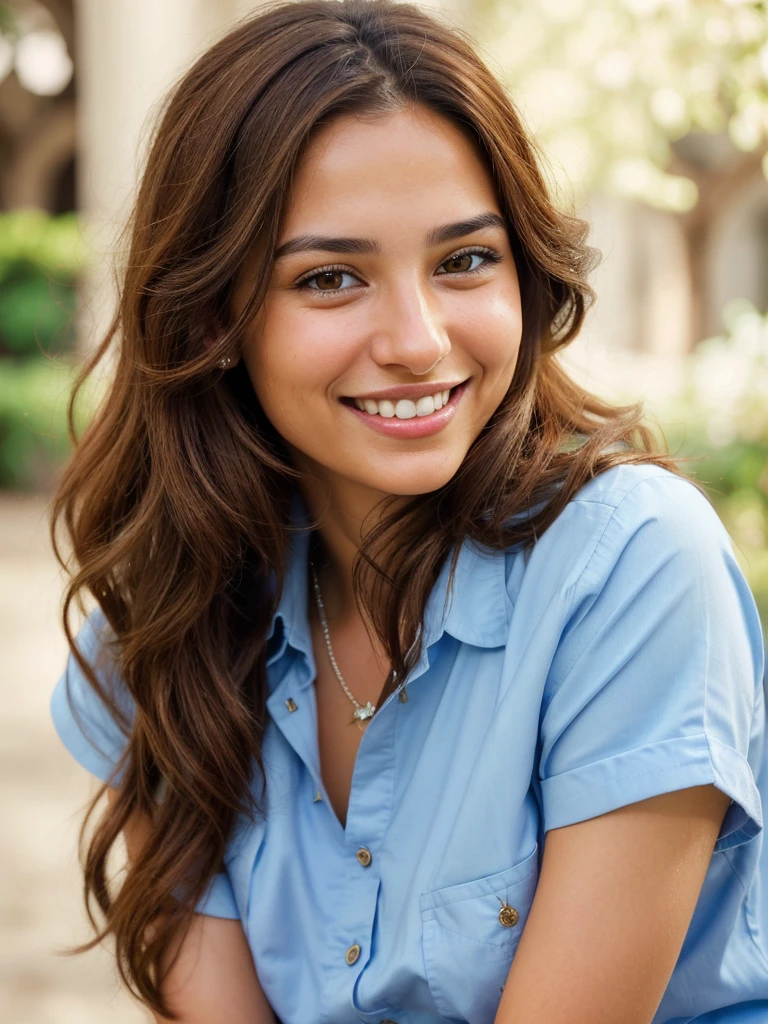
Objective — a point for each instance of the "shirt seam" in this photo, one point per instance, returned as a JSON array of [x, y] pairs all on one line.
[[672, 477]]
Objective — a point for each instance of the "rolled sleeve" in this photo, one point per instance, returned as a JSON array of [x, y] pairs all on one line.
[[657, 682]]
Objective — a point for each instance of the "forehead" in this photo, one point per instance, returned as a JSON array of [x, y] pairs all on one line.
[[413, 160]]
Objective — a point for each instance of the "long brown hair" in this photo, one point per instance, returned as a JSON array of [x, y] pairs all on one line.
[[176, 502]]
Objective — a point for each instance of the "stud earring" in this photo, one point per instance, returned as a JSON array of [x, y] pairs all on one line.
[[225, 362]]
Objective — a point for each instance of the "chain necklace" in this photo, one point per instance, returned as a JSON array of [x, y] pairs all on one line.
[[362, 712]]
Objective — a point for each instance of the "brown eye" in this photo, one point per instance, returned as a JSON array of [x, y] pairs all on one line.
[[460, 263], [329, 280]]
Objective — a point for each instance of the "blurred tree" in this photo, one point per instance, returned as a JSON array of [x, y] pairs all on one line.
[[661, 101]]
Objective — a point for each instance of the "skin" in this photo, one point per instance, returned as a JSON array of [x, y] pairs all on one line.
[[406, 314], [616, 893]]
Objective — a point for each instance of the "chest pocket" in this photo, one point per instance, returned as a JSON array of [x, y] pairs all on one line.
[[470, 932]]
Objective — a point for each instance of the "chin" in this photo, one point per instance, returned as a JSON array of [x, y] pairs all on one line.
[[420, 479]]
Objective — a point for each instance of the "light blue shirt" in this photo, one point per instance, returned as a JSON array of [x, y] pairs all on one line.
[[621, 658]]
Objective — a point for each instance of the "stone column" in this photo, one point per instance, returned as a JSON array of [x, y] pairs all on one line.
[[129, 54]]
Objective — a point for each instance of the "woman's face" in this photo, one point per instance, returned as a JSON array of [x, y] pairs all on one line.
[[393, 272]]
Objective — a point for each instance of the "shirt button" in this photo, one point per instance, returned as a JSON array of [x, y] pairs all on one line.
[[508, 916], [364, 856], [403, 698], [352, 954]]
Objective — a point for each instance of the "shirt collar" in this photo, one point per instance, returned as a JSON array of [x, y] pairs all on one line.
[[478, 609]]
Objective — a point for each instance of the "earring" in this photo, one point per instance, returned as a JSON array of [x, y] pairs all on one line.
[[225, 362]]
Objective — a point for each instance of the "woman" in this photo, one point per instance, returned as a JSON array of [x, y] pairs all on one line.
[[420, 686]]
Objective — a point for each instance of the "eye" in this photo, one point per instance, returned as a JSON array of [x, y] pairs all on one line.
[[328, 280], [461, 262]]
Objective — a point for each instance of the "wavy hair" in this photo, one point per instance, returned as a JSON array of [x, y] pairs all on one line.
[[176, 501]]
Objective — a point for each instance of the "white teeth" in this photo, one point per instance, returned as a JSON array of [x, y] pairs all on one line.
[[405, 409]]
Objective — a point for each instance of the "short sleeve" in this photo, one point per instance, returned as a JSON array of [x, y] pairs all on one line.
[[219, 899], [656, 683], [83, 721], [88, 730]]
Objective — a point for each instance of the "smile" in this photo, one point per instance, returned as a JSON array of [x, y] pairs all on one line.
[[405, 418]]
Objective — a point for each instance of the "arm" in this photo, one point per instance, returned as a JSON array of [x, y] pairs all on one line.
[[614, 901], [214, 980]]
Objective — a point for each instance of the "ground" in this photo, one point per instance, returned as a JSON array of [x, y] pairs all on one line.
[[42, 794]]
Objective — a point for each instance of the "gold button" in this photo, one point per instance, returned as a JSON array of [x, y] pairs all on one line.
[[291, 704], [352, 954], [364, 856], [403, 698], [508, 916]]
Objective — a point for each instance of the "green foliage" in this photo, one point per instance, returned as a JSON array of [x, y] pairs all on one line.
[[33, 426], [40, 259], [610, 85], [36, 314]]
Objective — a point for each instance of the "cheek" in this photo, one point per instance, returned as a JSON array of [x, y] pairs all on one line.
[[492, 333], [293, 355]]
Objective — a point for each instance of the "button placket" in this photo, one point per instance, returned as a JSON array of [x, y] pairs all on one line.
[[368, 815], [293, 707]]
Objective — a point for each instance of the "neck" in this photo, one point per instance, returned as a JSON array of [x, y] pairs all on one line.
[[340, 519]]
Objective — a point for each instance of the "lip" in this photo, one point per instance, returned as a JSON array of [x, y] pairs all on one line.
[[412, 391], [417, 426]]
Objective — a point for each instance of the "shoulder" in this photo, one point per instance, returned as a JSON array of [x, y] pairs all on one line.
[[635, 485], [636, 514], [650, 510]]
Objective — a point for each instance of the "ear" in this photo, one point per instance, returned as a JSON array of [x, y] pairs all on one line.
[[212, 339]]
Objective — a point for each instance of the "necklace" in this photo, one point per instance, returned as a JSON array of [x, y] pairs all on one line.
[[362, 712]]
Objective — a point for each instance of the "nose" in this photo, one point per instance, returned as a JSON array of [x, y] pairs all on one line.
[[413, 333]]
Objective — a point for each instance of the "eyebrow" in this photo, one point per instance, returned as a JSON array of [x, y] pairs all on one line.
[[361, 246]]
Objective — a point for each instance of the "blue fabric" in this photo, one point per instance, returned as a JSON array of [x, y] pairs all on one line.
[[619, 659]]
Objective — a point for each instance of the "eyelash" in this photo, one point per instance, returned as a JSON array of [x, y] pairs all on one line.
[[490, 255]]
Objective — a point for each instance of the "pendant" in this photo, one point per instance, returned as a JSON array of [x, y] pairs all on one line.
[[363, 713]]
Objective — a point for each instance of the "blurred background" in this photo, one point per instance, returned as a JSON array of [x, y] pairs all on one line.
[[652, 116]]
